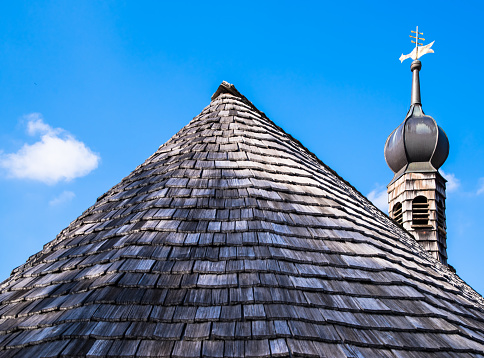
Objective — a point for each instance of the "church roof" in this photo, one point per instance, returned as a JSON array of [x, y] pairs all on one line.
[[233, 240]]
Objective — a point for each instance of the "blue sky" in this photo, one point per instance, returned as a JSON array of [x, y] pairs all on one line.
[[105, 83]]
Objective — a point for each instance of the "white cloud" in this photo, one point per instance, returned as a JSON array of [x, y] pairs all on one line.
[[64, 197], [481, 187], [56, 156], [379, 197], [452, 182], [36, 125]]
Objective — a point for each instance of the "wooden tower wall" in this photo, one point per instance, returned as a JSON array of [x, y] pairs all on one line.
[[404, 190]]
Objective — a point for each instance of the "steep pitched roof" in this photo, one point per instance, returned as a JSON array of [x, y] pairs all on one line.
[[233, 240]]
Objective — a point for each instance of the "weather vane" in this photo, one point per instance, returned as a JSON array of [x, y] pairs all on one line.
[[417, 51]]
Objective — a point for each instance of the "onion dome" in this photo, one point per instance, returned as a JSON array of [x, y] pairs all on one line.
[[418, 144]]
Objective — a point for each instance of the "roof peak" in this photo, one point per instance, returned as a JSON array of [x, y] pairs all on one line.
[[229, 88], [226, 87]]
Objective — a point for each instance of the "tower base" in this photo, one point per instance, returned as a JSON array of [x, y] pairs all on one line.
[[417, 202]]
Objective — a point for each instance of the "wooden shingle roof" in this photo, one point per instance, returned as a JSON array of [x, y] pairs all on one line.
[[233, 240]]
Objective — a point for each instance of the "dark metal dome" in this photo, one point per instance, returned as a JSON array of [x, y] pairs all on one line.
[[416, 144]]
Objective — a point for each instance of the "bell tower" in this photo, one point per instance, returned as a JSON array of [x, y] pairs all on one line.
[[415, 151]]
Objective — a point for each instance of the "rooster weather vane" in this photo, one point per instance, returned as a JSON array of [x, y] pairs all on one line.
[[418, 51]]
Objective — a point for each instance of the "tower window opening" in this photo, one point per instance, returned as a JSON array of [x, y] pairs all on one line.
[[441, 216], [420, 211], [397, 213]]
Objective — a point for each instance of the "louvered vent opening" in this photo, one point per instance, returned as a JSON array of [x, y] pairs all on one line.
[[441, 217], [397, 213], [420, 211]]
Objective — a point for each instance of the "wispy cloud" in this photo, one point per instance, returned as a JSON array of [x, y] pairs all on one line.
[[379, 198], [55, 157], [36, 125], [62, 198], [481, 187], [452, 182]]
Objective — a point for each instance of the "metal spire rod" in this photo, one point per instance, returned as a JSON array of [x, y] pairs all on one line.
[[415, 68], [416, 64]]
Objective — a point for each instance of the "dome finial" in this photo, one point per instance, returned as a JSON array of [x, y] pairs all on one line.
[[416, 64], [415, 68]]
